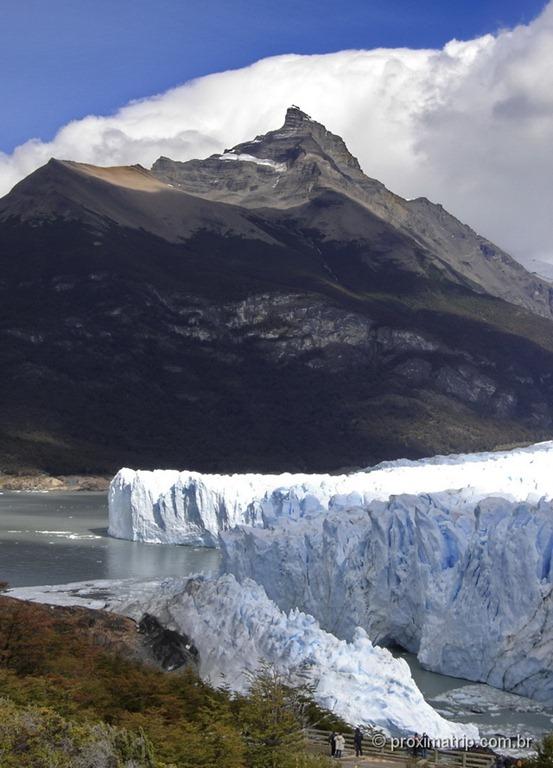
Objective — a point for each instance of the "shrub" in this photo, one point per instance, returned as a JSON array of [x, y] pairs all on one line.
[[544, 754], [35, 737], [93, 704]]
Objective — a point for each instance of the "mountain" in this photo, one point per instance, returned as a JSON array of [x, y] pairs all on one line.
[[294, 165], [271, 308]]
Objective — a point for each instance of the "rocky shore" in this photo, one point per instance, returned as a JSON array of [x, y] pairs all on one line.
[[43, 482]]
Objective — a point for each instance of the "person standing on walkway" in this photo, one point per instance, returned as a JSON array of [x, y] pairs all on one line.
[[425, 744], [332, 742], [358, 742], [340, 745]]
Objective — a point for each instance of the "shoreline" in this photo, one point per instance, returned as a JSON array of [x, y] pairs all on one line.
[[44, 482]]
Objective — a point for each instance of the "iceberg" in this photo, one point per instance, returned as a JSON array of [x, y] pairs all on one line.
[[172, 507], [236, 628]]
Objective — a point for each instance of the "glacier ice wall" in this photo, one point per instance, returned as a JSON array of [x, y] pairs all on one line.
[[171, 507], [450, 556], [466, 586], [235, 626], [192, 508]]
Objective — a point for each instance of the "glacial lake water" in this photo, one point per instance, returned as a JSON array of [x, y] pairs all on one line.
[[55, 538], [493, 711]]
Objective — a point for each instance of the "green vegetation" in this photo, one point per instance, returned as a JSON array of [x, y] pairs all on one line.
[[34, 737], [544, 754], [70, 700]]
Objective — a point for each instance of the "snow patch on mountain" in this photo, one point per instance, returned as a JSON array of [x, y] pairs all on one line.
[[231, 155], [236, 627]]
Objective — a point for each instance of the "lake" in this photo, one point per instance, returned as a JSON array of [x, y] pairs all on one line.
[[54, 538], [495, 712]]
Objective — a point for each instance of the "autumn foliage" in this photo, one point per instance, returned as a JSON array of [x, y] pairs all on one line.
[[74, 671]]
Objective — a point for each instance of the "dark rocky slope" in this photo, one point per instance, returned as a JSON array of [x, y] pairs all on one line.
[[147, 642], [228, 315]]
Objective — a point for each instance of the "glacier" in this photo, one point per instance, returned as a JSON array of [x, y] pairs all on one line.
[[448, 557], [171, 507], [236, 627], [467, 586]]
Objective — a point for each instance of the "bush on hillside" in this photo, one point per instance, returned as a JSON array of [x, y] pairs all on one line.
[[544, 754], [35, 737], [57, 661]]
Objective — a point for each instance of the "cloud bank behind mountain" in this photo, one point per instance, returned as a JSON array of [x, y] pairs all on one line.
[[470, 125]]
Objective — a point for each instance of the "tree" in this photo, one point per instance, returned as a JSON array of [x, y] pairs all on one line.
[[272, 717], [544, 753], [220, 742]]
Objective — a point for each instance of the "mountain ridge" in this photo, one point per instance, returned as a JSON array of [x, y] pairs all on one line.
[[429, 223], [174, 317]]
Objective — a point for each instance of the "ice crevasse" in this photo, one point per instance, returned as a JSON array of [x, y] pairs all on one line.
[[470, 591]]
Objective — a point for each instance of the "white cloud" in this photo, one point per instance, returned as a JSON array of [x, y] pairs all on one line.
[[470, 125]]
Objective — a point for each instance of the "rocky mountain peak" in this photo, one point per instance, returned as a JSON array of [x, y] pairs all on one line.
[[301, 132], [269, 290], [295, 118], [283, 167]]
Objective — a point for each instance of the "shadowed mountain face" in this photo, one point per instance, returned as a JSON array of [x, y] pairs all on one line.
[[271, 308]]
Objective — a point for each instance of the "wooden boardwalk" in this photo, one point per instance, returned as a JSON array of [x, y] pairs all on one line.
[[384, 756], [350, 761]]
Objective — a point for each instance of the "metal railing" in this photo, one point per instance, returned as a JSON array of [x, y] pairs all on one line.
[[320, 741]]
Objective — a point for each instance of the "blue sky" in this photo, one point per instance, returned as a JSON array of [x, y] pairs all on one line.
[[64, 59]]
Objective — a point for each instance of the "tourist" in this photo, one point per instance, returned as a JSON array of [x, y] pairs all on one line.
[[332, 742], [358, 742], [340, 745], [425, 744]]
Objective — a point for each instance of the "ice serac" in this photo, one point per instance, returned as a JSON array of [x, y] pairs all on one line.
[[193, 508], [449, 557], [171, 507], [235, 627], [465, 585]]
